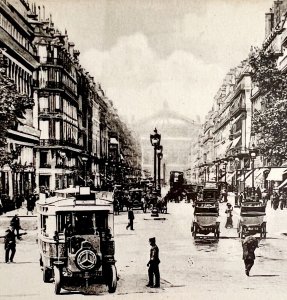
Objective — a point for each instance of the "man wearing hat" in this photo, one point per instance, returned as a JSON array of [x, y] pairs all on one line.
[[10, 244], [153, 265], [15, 224], [131, 218]]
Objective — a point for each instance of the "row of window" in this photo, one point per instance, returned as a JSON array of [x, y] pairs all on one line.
[[58, 130], [21, 78], [53, 78], [51, 55], [11, 29]]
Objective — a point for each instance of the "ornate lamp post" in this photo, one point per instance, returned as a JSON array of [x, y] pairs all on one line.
[[155, 142], [159, 157], [253, 153], [85, 159]]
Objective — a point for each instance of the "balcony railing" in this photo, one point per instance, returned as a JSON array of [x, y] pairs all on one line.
[[45, 165], [235, 108], [53, 142], [44, 110], [54, 85], [50, 60]]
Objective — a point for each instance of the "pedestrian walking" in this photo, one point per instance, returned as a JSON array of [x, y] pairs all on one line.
[[153, 270], [131, 218], [30, 204], [15, 225], [1, 207], [249, 246], [18, 201], [228, 211], [241, 198], [9, 245]]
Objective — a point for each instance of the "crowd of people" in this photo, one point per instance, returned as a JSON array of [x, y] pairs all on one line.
[[20, 200]]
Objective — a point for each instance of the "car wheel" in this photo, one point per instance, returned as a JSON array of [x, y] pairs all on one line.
[[58, 279], [112, 279], [46, 274], [242, 233]]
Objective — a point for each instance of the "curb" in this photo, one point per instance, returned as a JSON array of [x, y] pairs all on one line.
[[156, 218], [20, 216]]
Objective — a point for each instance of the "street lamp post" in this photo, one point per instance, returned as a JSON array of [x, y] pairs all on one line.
[[63, 157], [236, 161], [85, 159], [216, 171], [155, 142], [159, 157], [225, 167], [204, 174], [253, 153]]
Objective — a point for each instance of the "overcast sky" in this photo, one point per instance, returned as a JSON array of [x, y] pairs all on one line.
[[145, 52]]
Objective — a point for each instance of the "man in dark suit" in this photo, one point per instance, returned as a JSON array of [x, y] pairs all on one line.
[[131, 219], [153, 263], [10, 245]]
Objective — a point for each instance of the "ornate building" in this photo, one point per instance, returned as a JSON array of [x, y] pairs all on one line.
[[73, 134], [178, 133], [16, 43]]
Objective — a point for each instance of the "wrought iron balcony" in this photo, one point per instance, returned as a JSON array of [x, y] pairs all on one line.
[[53, 142]]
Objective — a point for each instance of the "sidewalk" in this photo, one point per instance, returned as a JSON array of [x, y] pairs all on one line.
[[28, 222], [21, 212]]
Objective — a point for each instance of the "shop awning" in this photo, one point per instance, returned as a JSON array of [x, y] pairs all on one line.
[[114, 141], [276, 174], [221, 151], [282, 184], [235, 142], [229, 177], [241, 178]]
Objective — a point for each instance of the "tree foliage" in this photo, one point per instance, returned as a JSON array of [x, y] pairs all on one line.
[[12, 107], [270, 122]]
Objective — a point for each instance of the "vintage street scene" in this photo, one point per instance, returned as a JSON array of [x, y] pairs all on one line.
[[143, 149]]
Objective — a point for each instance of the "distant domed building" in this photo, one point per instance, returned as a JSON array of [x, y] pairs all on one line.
[[178, 134]]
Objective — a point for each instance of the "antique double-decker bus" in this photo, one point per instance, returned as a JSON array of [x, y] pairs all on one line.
[[76, 239]]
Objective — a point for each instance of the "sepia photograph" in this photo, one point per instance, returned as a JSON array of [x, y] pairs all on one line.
[[143, 149]]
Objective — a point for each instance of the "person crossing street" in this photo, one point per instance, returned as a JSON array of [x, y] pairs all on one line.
[[153, 270], [131, 218], [10, 245]]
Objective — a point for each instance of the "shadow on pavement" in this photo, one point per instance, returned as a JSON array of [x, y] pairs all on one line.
[[265, 275]]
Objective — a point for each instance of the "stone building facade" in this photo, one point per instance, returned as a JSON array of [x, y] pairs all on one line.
[[226, 139], [66, 138]]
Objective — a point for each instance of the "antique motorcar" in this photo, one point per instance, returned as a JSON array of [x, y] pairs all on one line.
[[76, 239], [252, 219], [209, 193], [136, 201], [205, 219], [190, 191]]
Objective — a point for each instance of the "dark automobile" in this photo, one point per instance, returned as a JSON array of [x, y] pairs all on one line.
[[136, 198]]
